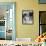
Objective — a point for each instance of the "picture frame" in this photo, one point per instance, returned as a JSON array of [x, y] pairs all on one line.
[[42, 1], [27, 17]]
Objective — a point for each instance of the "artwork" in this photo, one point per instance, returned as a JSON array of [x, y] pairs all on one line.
[[42, 1], [27, 17]]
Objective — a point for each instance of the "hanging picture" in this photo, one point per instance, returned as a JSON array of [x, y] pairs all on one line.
[[27, 17]]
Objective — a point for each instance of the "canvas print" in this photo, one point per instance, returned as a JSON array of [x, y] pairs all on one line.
[[27, 17]]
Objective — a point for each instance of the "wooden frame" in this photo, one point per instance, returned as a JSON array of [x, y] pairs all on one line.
[[27, 17]]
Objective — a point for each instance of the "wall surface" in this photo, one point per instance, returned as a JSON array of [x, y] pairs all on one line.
[[27, 31]]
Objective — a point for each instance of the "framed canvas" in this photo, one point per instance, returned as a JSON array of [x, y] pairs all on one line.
[[42, 1], [7, 20], [27, 17]]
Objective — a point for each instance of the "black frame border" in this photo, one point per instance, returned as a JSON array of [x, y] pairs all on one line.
[[33, 17]]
